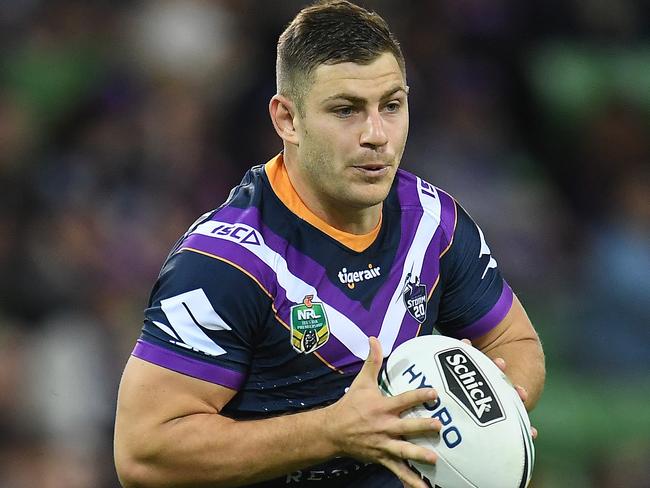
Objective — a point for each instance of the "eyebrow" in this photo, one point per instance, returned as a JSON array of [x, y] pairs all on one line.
[[360, 100]]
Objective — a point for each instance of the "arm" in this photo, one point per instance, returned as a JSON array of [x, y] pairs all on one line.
[[169, 432], [515, 341], [475, 298]]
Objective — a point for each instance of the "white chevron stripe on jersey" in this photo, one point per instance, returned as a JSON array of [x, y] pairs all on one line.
[[341, 327], [187, 313], [166, 329], [424, 233]]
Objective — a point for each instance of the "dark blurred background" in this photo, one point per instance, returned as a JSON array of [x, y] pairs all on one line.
[[121, 122]]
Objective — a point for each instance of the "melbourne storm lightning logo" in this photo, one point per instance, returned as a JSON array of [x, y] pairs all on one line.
[[415, 297]]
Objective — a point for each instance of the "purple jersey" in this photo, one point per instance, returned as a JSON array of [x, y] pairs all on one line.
[[255, 298]]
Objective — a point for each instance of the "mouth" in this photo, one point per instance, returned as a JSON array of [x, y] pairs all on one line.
[[373, 169]]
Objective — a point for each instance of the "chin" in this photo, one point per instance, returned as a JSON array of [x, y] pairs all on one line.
[[367, 199]]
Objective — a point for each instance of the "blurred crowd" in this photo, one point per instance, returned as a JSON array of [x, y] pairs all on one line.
[[122, 121]]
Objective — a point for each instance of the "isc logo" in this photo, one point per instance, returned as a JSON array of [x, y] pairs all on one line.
[[427, 189], [241, 233]]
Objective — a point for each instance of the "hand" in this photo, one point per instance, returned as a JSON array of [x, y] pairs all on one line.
[[366, 425], [523, 394]]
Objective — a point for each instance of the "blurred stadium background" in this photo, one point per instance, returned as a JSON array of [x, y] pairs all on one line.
[[122, 121]]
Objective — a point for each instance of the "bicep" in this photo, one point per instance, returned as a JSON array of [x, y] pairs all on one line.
[[151, 396], [195, 347], [513, 328]]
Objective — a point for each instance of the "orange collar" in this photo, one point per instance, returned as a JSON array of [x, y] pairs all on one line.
[[281, 184]]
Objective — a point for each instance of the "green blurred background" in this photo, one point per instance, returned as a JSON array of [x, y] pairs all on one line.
[[121, 122]]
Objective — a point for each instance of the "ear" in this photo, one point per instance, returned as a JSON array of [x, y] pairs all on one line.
[[283, 115]]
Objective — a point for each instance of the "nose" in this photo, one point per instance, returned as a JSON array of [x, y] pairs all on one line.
[[374, 133]]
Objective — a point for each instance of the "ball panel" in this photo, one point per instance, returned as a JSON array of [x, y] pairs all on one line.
[[485, 440]]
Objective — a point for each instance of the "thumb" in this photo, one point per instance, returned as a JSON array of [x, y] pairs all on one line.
[[372, 365]]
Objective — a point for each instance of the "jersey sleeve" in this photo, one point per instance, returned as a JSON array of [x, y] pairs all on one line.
[[475, 298], [203, 317]]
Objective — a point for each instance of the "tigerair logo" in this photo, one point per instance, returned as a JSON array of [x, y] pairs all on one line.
[[466, 382], [351, 278]]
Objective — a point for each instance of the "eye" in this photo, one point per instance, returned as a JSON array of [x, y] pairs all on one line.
[[344, 112], [392, 107]]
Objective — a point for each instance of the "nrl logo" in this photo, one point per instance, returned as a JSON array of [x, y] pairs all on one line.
[[309, 326], [415, 298]]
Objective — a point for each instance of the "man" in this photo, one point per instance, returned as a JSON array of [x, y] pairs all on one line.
[[250, 368]]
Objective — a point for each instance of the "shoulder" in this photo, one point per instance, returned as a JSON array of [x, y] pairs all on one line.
[[238, 222], [416, 197], [202, 319], [249, 190], [188, 270], [229, 240]]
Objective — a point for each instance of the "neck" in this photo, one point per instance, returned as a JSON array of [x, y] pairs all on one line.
[[350, 220]]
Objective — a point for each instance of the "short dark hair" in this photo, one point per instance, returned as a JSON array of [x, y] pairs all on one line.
[[330, 32]]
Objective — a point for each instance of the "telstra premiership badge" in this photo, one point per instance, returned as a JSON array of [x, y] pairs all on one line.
[[309, 327]]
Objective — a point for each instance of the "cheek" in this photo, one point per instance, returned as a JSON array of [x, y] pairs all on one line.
[[399, 129], [322, 143]]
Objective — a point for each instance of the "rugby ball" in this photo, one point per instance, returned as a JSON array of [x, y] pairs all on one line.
[[485, 440]]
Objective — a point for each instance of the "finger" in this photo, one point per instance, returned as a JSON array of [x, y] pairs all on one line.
[[501, 363], [408, 477], [412, 398], [523, 393], [406, 450], [533, 432], [415, 427], [467, 341], [373, 362]]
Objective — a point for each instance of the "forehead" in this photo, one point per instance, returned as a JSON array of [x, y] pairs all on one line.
[[366, 81]]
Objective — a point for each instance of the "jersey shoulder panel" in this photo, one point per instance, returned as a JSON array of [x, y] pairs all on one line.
[[236, 233], [203, 319], [416, 197], [475, 297]]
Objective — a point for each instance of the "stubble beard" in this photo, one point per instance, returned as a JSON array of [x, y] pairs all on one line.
[[337, 189]]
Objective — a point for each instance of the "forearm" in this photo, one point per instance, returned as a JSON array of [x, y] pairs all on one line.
[[525, 366], [516, 341], [215, 451], [169, 433]]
